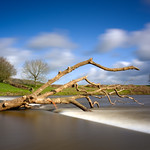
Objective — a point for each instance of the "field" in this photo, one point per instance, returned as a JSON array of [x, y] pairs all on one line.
[[9, 90]]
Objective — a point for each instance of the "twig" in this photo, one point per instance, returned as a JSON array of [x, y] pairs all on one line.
[[91, 103], [125, 96], [108, 97]]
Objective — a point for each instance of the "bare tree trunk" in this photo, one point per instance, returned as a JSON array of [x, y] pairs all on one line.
[[43, 99], [35, 81]]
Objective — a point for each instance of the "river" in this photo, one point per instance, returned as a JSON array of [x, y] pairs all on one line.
[[124, 126]]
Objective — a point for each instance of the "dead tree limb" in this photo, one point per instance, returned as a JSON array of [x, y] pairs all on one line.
[[70, 69], [108, 97], [61, 87], [79, 90], [126, 96], [35, 97], [92, 103], [64, 100]]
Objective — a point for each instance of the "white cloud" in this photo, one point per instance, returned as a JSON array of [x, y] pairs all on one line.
[[58, 58], [121, 64], [100, 76], [112, 39], [122, 77], [20, 56], [16, 56], [141, 39], [116, 38], [97, 75], [47, 40], [6, 42]]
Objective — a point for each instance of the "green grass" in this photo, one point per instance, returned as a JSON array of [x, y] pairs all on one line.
[[8, 90]]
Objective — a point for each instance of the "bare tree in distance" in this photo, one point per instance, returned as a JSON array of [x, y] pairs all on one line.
[[35, 70], [6, 69], [44, 98]]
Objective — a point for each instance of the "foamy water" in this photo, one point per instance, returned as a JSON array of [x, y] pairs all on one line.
[[137, 119]]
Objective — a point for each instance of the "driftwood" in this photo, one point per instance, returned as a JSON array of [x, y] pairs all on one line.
[[38, 98]]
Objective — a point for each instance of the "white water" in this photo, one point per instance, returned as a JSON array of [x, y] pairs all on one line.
[[7, 98], [132, 120]]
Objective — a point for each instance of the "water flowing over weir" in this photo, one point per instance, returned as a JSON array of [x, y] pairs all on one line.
[[137, 119], [40, 130], [128, 116]]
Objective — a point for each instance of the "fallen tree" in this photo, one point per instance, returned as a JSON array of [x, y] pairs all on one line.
[[38, 98]]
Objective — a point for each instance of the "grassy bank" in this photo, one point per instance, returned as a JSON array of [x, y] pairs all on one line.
[[8, 90]]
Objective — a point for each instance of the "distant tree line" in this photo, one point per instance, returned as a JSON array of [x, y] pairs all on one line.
[[35, 70]]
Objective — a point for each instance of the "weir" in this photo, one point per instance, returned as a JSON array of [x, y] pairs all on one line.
[[127, 116], [137, 119]]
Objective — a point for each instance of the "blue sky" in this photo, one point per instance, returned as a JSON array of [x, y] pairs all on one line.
[[116, 33]]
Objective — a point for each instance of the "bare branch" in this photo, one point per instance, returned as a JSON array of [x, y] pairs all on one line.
[[91, 103], [79, 90], [42, 99], [13, 103], [113, 69], [108, 97], [64, 100], [92, 83], [70, 69], [125, 96], [62, 87]]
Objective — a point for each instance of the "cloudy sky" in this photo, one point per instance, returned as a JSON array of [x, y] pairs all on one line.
[[116, 33]]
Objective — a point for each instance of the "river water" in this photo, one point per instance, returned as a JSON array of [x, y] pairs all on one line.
[[124, 126]]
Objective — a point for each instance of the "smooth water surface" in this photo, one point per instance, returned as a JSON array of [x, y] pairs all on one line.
[[41, 129]]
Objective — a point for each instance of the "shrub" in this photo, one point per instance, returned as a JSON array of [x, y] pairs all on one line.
[[6, 69]]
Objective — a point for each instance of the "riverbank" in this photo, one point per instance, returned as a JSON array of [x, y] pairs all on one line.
[[9, 90]]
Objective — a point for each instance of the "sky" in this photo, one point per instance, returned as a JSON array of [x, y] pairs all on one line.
[[115, 33]]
